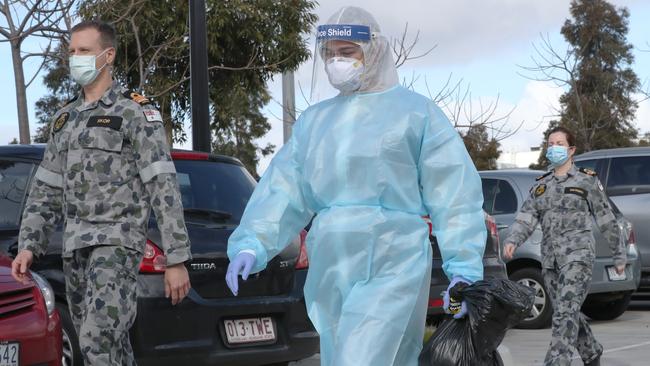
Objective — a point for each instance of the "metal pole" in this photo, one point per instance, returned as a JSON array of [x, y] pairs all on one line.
[[201, 136], [288, 104]]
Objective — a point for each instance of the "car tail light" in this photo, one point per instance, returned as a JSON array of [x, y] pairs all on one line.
[[494, 231], [303, 260], [631, 240], [154, 260], [435, 303], [492, 226]]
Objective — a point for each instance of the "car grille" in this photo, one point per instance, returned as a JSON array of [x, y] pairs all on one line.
[[17, 300]]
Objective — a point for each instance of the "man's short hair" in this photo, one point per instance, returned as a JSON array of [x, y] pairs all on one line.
[[106, 31]]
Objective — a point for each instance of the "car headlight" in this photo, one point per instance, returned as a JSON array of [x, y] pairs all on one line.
[[46, 290]]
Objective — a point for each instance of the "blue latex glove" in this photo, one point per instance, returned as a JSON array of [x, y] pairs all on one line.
[[242, 263], [445, 297]]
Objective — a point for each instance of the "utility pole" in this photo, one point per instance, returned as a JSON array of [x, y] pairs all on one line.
[[201, 136], [288, 104]]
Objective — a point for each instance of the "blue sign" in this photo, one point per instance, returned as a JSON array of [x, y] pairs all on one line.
[[344, 32]]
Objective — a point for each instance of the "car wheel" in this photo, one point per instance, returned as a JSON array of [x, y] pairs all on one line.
[[540, 315], [71, 352], [607, 310]]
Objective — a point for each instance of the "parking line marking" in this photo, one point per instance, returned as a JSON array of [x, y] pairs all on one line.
[[627, 347]]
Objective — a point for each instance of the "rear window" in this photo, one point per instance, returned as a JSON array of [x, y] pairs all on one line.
[[214, 186], [589, 164], [14, 179], [498, 197], [629, 175]]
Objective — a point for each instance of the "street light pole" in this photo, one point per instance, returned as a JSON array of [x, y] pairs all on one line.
[[201, 136], [288, 104]]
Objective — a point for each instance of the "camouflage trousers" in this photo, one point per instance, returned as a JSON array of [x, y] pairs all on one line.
[[567, 287], [102, 297]]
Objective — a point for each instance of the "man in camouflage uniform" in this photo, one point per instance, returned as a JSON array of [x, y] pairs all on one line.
[[107, 164], [564, 206]]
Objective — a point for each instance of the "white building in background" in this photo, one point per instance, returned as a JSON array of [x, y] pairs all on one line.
[[520, 159]]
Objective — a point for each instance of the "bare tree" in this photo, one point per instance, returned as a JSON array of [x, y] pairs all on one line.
[[455, 98], [464, 112], [562, 68], [23, 19]]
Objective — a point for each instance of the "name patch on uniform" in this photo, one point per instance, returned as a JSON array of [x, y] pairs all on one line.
[[540, 190], [60, 121], [152, 115], [112, 122], [576, 190]]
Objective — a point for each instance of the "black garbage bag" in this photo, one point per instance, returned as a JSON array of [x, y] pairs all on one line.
[[493, 307]]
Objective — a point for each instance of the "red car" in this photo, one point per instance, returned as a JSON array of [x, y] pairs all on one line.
[[30, 327]]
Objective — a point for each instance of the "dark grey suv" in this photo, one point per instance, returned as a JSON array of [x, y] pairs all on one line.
[[625, 173], [504, 192]]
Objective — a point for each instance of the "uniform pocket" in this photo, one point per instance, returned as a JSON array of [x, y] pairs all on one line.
[[583, 255], [101, 138], [101, 154]]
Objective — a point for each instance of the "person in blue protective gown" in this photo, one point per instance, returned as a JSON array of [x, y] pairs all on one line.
[[369, 164]]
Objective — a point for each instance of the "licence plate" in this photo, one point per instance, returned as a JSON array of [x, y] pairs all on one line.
[[613, 276], [250, 330], [9, 353]]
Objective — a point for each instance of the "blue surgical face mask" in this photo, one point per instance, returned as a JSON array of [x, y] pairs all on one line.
[[82, 68], [557, 155]]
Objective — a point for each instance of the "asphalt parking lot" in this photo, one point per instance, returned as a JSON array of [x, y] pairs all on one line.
[[626, 340]]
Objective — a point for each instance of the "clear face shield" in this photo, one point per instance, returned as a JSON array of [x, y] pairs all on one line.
[[338, 60]]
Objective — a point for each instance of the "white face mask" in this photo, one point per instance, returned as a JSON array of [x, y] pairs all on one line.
[[82, 68], [344, 73]]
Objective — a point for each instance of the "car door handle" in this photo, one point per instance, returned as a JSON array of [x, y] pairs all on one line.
[[502, 226]]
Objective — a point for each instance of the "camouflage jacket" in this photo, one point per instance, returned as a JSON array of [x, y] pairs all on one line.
[[564, 206], [106, 165]]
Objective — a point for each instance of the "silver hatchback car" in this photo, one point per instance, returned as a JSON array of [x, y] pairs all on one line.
[[504, 192]]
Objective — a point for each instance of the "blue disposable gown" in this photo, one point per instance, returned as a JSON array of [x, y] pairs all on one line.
[[369, 166]]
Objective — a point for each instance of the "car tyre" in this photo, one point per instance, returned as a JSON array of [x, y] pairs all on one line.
[[607, 310], [71, 351], [542, 309]]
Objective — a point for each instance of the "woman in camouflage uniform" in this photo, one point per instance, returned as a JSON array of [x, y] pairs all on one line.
[[563, 201]]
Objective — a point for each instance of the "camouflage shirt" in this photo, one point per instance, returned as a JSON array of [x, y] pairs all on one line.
[[564, 207], [106, 165]]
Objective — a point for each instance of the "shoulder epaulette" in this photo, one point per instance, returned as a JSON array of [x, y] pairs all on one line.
[[71, 100], [588, 171], [138, 98], [543, 175]]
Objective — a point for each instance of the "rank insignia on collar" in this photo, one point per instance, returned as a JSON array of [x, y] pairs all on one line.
[[60, 121], [540, 190]]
